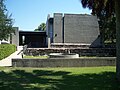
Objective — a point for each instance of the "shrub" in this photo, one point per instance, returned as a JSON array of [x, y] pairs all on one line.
[[6, 50]]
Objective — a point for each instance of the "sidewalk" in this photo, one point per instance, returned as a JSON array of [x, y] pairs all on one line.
[[8, 61]]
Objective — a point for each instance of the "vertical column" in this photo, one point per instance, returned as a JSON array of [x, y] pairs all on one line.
[[15, 37], [47, 29], [49, 42], [58, 28]]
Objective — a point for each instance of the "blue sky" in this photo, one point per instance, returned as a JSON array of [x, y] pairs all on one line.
[[28, 14]]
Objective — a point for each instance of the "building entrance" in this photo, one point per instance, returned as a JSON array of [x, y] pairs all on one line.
[[32, 39]]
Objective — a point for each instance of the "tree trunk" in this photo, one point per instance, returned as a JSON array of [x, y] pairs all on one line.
[[117, 10]]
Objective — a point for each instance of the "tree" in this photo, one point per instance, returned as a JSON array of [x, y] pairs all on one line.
[[6, 22], [117, 10], [41, 27], [106, 16], [110, 7], [110, 30]]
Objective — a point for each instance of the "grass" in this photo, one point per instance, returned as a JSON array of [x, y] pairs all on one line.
[[36, 57], [45, 57], [92, 78], [6, 50]]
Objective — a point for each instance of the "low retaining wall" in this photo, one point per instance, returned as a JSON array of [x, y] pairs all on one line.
[[99, 52], [78, 62], [69, 45]]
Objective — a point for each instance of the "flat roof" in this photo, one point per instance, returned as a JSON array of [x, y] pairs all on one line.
[[33, 32]]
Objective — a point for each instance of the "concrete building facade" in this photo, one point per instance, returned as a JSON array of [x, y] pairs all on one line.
[[63, 29], [74, 28]]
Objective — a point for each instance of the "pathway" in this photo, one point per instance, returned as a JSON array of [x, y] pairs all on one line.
[[8, 61]]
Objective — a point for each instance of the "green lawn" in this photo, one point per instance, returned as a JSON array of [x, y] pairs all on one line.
[[92, 78], [36, 57]]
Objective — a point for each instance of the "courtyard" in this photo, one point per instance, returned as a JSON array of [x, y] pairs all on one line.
[[42, 55]]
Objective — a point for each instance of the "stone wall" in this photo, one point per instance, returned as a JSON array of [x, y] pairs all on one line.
[[80, 62], [99, 52], [69, 45]]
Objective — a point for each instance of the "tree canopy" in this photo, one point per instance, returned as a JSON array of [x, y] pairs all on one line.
[[6, 22], [100, 7], [105, 11], [111, 7], [41, 27]]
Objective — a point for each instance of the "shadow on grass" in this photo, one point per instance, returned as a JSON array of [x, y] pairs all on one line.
[[59, 80]]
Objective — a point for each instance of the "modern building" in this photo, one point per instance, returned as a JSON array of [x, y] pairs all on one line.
[[62, 29], [32, 39], [73, 28]]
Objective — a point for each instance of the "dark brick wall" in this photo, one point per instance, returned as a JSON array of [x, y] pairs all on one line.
[[80, 28], [58, 28]]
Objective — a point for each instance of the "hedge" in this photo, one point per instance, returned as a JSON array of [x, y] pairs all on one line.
[[6, 50]]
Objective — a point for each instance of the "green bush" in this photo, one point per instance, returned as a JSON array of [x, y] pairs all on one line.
[[6, 50]]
